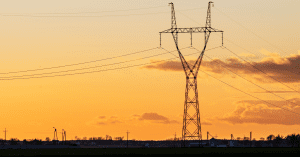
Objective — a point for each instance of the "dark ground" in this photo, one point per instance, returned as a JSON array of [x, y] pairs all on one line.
[[123, 151]]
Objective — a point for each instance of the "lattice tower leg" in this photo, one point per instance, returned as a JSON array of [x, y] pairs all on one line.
[[191, 117]]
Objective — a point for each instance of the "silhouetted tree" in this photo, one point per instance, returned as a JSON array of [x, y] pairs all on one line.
[[170, 139], [36, 142], [278, 140], [25, 141], [293, 139], [119, 138], [100, 138], [13, 141], [108, 137], [271, 137], [47, 139], [77, 138]]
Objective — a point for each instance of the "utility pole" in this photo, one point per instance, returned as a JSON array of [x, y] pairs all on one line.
[[62, 135], [175, 140], [251, 139], [244, 141], [191, 129], [127, 138], [207, 135], [5, 133], [175, 136]]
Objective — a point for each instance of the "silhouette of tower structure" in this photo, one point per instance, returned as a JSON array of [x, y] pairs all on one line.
[[191, 129], [5, 133], [63, 135], [55, 133]]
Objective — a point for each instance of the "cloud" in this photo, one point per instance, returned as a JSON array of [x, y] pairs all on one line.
[[284, 69], [101, 117], [169, 122], [166, 66], [206, 123], [156, 118], [262, 113], [152, 116], [247, 55], [102, 120], [101, 123]]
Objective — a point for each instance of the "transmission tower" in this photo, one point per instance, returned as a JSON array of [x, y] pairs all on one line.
[[191, 129], [55, 133]]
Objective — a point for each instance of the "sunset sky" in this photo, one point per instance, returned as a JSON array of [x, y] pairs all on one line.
[[59, 67]]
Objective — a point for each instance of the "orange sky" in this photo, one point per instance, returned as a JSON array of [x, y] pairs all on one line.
[[146, 100]]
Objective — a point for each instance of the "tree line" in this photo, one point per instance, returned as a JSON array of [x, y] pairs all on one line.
[[292, 139]]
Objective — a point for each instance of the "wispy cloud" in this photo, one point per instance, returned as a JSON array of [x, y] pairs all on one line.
[[103, 120], [156, 118], [101, 117], [152, 116]]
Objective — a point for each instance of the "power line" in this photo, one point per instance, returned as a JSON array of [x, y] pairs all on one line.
[[217, 34], [251, 53], [191, 53], [89, 72], [83, 16], [101, 11], [81, 68], [250, 81], [77, 73], [261, 70], [96, 11], [250, 31], [88, 12], [27, 15], [249, 94], [68, 65]]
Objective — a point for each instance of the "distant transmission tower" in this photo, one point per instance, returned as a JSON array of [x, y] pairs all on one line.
[[55, 133], [191, 129]]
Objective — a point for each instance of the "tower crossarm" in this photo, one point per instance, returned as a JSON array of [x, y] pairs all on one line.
[[191, 30]]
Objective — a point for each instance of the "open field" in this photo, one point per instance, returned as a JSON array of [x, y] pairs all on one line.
[[102, 151]]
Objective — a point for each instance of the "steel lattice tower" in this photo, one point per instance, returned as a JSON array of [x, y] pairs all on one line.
[[191, 129]]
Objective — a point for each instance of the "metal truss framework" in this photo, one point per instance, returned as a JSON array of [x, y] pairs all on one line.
[[191, 129]]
